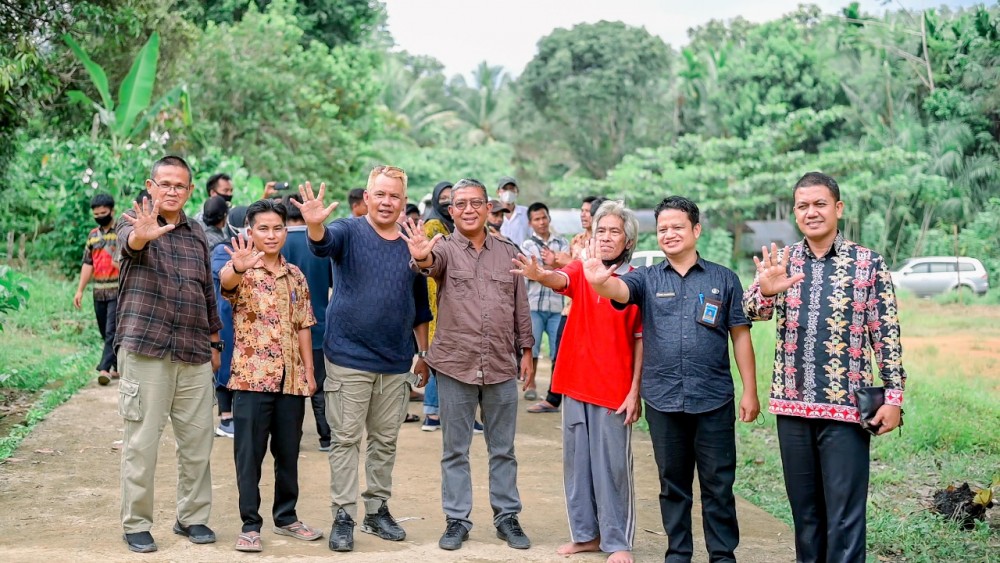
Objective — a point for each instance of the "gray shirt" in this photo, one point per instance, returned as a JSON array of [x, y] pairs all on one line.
[[483, 318]]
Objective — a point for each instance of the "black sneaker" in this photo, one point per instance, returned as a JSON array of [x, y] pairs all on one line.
[[453, 536], [342, 534], [140, 542], [197, 533], [510, 529], [383, 525]]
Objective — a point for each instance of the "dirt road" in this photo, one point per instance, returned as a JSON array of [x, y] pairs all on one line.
[[59, 499]]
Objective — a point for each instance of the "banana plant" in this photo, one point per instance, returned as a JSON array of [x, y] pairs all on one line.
[[133, 112]]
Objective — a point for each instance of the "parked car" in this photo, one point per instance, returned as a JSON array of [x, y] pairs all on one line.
[[642, 258], [931, 275]]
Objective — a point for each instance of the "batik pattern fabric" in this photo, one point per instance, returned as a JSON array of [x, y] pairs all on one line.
[[830, 326], [269, 310]]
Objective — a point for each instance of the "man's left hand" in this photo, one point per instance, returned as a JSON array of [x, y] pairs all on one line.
[[749, 407], [887, 418], [423, 371], [216, 360]]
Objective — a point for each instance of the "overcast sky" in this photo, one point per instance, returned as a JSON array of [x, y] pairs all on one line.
[[461, 33]]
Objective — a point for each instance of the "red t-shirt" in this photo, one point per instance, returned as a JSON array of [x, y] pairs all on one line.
[[596, 356]]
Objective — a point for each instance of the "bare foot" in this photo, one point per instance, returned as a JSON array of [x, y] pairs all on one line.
[[581, 547], [621, 557]]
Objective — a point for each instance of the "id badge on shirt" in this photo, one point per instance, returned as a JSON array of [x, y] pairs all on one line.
[[709, 311]]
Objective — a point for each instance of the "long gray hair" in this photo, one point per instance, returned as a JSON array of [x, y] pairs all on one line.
[[630, 223]]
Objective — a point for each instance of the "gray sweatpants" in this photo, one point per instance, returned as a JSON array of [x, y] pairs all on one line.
[[459, 402], [597, 475]]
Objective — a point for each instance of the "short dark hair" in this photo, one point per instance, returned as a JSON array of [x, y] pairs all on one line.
[[102, 200], [590, 199], [818, 179], [682, 204], [294, 213], [214, 210], [538, 206], [214, 181], [143, 193], [470, 183], [355, 196], [411, 208], [265, 206], [595, 204], [171, 160]]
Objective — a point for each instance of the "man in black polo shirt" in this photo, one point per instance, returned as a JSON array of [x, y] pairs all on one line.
[[690, 309]]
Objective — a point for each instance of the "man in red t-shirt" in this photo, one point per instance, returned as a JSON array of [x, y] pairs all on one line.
[[598, 373]]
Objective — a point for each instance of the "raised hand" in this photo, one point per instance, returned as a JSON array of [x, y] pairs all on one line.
[[416, 240], [527, 267], [548, 257], [772, 271], [313, 211], [145, 227], [593, 267], [243, 255]]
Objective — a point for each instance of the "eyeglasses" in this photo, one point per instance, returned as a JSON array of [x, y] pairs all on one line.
[[170, 188], [461, 205]]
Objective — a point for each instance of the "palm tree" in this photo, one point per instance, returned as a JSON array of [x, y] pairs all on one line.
[[483, 106]]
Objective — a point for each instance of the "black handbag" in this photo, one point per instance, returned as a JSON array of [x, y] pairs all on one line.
[[869, 400]]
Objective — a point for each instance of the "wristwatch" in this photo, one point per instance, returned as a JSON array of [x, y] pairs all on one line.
[[220, 345], [422, 354]]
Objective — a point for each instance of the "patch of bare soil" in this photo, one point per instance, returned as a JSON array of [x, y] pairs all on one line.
[[969, 353], [14, 405], [59, 498]]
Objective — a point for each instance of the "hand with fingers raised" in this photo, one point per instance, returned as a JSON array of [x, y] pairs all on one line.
[[593, 267], [145, 227], [416, 240], [772, 271], [312, 208], [243, 255], [527, 267]]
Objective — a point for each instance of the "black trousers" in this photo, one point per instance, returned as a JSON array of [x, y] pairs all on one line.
[[825, 464], [707, 440], [318, 400], [555, 399], [224, 397], [107, 313], [258, 417]]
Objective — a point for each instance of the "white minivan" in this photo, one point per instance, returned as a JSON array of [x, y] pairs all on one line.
[[642, 258], [931, 275]]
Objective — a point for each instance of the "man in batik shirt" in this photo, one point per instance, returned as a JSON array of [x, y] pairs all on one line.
[[835, 306]]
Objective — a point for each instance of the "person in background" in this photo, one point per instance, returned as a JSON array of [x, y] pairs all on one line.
[[437, 221], [218, 185], [515, 226], [272, 370], [214, 220], [356, 201], [546, 305], [319, 275], [100, 264], [494, 219], [235, 225], [836, 309], [412, 212]]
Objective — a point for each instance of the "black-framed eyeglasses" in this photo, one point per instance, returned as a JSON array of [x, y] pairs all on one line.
[[461, 205], [170, 187]]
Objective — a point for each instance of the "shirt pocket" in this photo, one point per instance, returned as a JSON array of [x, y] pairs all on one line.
[[460, 283], [129, 401], [503, 284]]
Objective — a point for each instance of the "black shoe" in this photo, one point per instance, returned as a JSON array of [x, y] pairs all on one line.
[[140, 542], [453, 536], [342, 534], [510, 529], [197, 533], [383, 525]]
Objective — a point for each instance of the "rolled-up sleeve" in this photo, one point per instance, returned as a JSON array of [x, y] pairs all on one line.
[[522, 315]]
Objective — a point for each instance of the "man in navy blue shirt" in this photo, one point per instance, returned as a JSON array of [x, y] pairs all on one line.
[[378, 306], [691, 308]]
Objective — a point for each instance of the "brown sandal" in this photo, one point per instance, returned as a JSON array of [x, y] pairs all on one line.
[[299, 530], [249, 542]]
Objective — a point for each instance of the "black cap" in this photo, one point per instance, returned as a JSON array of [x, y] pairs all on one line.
[[214, 210], [498, 207]]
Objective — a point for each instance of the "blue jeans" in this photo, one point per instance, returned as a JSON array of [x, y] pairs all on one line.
[[431, 395], [547, 322]]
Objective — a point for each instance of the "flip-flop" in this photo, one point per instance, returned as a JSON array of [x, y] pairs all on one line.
[[411, 418], [542, 407], [299, 530], [249, 543]]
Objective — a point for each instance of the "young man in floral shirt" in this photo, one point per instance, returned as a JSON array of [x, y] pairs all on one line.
[[835, 306], [272, 370]]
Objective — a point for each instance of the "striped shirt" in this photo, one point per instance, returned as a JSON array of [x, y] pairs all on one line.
[[99, 252], [166, 299]]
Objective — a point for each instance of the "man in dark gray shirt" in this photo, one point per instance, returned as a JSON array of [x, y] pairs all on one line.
[[483, 323], [691, 308]]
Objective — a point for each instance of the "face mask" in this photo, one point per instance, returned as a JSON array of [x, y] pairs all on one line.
[[105, 220], [228, 198], [445, 204], [495, 226], [508, 196]]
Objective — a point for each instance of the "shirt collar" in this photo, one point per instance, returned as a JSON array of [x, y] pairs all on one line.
[[699, 263], [282, 267], [464, 240], [835, 248], [183, 220]]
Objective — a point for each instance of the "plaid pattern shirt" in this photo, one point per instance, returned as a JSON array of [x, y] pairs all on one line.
[[166, 299]]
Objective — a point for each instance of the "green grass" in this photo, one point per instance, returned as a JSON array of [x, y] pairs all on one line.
[[951, 435], [49, 351]]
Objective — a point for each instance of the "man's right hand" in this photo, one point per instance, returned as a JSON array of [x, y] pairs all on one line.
[[593, 267], [313, 211], [145, 227], [772, 271], [78, 299], [243, 254], [416, 240]]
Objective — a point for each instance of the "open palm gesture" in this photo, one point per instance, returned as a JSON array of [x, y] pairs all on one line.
[[416, 240], [313, 211], [593, 267], [145, 227], [527, 267], [772, 271], [243, 254]]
